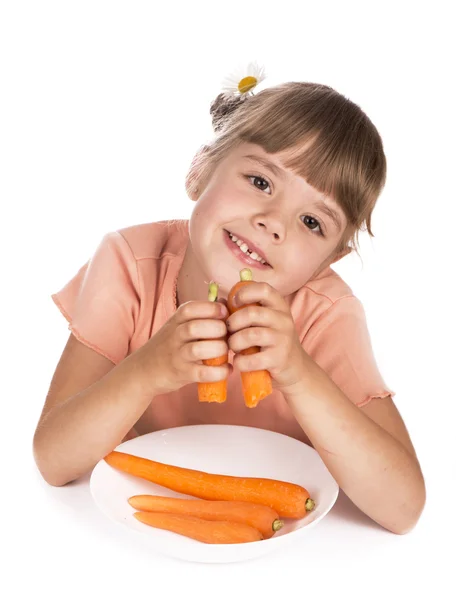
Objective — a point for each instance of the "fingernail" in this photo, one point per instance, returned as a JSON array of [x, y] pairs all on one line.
[[223, 310]]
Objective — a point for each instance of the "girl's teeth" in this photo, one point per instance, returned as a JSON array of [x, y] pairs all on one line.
[[243, 246]]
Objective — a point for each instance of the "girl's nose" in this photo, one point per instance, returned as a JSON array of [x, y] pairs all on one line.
[[273, 225]]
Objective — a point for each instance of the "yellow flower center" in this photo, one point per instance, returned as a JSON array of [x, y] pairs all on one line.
[[246, 84]]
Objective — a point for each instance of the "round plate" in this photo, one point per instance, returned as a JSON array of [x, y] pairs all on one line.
[[223, 449]]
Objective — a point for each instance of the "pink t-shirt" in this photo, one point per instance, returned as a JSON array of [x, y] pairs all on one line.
[[125, 293]]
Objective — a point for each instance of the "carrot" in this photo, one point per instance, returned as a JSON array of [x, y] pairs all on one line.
[[213, 391], [288, 499], [256, 385], [261, 517], [209, 532]]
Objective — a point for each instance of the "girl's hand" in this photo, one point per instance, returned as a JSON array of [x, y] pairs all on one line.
[[173, 356], [271, 327]]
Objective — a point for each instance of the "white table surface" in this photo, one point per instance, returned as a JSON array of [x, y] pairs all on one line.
[[60, 545]]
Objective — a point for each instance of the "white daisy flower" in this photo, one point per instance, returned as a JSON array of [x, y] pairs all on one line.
[[242, 81]]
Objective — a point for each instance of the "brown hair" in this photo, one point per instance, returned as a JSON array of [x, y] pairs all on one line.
[[338, 149]]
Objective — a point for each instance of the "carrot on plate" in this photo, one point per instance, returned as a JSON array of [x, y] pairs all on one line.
[[209, 532], [259, 516], [256, 385], [213, 391], [288, 499]]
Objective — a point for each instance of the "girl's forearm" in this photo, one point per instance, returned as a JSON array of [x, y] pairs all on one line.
[[373, 468], [75, 434]]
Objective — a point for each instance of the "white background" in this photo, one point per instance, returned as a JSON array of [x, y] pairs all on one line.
[[102, 105]]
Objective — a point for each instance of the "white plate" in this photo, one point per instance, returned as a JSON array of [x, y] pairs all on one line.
[[224, 449]]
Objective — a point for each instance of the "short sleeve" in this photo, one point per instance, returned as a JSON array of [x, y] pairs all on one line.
[[101, 302], [340, 344]]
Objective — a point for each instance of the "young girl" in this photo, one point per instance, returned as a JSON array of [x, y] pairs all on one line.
[[290, 178]]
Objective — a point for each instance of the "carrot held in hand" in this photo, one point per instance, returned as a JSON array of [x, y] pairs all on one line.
[[213, 391], [209, 532], [256, 385], [287, 499], [261, 517]]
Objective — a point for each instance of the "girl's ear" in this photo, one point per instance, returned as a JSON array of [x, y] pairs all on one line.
[[196, 174]]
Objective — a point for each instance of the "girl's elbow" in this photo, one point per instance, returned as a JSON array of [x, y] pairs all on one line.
[[404, 529], [51, 476], [55, 481], [47, 470], [413, 512]]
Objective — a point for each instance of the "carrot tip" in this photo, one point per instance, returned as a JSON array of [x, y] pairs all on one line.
[[217, 400]]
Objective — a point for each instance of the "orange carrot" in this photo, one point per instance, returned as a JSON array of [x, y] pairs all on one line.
[[288, 499], [256, 385], [213, 391], [261, 517], [209, 532]]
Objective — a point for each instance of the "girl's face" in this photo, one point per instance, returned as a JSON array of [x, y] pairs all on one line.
[[289, 223]]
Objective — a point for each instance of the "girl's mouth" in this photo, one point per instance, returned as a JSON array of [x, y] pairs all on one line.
[[244, 255]]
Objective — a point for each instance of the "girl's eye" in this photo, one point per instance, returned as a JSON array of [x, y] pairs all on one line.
[[313, 225], [264, 184]]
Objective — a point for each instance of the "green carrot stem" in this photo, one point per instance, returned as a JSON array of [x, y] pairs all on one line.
[[246, 275], [213, 291]]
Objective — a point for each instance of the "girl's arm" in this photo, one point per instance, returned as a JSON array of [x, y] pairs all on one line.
[[90, 408], [367, 450], [92, 404]]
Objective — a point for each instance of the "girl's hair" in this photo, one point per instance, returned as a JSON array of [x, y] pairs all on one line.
[[337, 149]]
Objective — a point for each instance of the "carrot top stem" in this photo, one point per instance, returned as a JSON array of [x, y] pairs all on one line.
[[277, 524], [213, 291], [310, 504], [246, 275]]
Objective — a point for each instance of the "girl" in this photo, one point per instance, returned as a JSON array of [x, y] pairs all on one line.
[[290, 178]]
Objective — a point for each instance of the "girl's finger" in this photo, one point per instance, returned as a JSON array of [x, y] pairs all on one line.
[[263, 293], [201, 373], [203, 350], [266, 359], [260, 316], [200, 310], [201, 329], [253, 336]]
